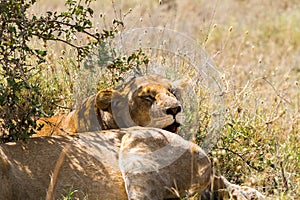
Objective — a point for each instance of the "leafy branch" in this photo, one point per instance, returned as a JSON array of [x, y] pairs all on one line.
[[20, 97]]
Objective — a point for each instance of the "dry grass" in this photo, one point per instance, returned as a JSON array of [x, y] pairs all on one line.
[[255, 44]]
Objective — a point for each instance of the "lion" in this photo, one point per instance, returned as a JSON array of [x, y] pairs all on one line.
[[131, 163], [148, 101]]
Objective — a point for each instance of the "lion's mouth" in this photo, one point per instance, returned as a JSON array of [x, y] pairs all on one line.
[[173, 127]]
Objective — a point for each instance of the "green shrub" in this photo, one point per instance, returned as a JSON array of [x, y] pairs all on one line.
[[22, 98]]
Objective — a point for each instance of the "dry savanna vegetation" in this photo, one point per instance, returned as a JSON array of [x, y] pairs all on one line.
[[255, 46]]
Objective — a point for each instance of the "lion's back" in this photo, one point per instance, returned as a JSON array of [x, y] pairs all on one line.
[[60, 165]]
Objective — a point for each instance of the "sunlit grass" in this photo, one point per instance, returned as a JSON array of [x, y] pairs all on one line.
[[255, 45]]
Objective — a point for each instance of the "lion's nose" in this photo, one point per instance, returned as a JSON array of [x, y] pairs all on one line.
[[174, 110]]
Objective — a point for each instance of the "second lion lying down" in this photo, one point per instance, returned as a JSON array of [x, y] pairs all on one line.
[[148, 101], [134, 163]]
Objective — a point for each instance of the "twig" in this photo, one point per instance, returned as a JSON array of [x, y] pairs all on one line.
[[63, 107], [275, 90], [58, 39], [275, 118], [243, 159], [283, 177], [210, 25]]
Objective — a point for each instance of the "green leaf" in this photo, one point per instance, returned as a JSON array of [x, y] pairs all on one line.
[[49, 13], [90, 11], [41, 52], [12, 29]]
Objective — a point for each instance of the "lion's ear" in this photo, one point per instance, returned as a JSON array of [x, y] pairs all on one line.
[[179, 86], [104, 98]]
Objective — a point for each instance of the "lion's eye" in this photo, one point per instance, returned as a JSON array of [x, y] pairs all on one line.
[[173, 91], [149, 98]]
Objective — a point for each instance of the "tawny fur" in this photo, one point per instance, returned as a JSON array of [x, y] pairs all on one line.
[[134, 163], [142, 101]]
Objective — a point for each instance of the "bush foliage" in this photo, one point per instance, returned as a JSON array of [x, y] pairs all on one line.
[[21, 64]]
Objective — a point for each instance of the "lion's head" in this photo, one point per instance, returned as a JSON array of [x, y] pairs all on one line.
[[149, 101]]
